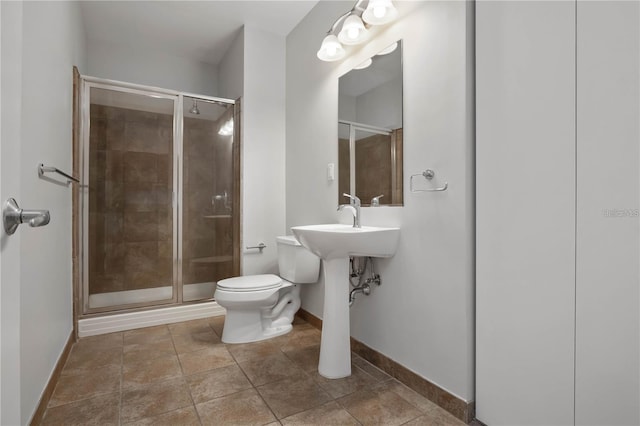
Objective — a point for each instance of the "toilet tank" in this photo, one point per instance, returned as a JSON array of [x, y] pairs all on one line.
[[296, 264]]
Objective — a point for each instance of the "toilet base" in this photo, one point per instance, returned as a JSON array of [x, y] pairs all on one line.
[[250, 326]]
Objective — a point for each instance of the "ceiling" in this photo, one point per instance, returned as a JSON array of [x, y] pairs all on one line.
[[197, 30]]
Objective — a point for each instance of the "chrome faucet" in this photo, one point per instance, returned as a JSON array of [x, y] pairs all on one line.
[[354, 207]]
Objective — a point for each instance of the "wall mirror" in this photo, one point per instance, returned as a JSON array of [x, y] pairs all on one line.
[[370, 130]]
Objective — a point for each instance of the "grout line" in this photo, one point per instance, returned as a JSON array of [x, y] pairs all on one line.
[[184, 378]]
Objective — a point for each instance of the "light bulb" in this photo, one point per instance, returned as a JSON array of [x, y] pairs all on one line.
[[331, 49], [353, 31], [379, 12]]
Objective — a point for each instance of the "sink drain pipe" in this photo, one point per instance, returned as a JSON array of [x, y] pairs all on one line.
[[362, 287]]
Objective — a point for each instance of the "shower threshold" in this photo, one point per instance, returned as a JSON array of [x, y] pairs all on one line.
[[191, 292]]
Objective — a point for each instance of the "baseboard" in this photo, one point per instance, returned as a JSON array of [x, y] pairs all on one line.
[[463, 410], [132, 320], [36, 419]]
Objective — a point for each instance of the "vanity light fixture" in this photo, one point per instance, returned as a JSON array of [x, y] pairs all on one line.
[[331, 49], [354, 26], [353, 31], [363, 65], [388, 50], [379, 12]]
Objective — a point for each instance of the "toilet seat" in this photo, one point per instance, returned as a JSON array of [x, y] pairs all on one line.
[[250, 283]]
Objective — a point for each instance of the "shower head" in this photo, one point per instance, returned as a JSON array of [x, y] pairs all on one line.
[[194, 109]]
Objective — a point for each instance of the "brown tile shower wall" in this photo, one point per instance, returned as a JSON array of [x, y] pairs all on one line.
[[343, 170], [130, 215], [374, 168], [373, 165], [208, 231]]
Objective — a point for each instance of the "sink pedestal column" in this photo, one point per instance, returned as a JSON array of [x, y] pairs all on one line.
[[335, 346]]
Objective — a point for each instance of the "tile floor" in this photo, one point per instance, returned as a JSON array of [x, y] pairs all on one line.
[[182, 374]]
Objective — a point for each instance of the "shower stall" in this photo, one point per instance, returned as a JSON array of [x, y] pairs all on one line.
[[159, 219]]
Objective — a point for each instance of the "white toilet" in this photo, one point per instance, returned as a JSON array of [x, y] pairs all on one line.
[[260, 307]]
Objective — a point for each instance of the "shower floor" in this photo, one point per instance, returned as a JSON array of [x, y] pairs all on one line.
[[200, 291]]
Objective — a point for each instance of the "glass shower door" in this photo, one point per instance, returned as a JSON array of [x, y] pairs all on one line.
[[130, 168], [208, 185]]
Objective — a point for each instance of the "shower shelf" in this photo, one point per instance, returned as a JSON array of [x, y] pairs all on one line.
[[212, 259], [217, 216]]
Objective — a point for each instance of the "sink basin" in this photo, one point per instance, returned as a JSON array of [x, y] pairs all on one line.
[[334, 244], [341, 241]]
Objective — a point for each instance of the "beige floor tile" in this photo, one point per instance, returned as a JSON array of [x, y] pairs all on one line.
[[163, 371], [96, 382], [146, 335], [145, 351], [249, 351], [154, 399], [409, 395], [207, 359], [216, 383], [242, 408], [305, 358], [100, 411], [86, 359], [102, 341], [293, 395], [328, 414], [436, 419], [300, 337], [153, 370], [270, 369], [379, 408], [217, 323], [191, 327], [337, 388], [194, 342], [184, 417]]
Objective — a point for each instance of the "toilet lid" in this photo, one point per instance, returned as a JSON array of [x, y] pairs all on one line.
[[251, 283]]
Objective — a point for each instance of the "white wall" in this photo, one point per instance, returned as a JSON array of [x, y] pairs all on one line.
[[263, 150], [231, 69], [422, 315], [150, 68], [52, 39]]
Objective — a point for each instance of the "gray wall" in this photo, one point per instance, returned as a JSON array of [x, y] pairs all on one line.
[[150, 68]]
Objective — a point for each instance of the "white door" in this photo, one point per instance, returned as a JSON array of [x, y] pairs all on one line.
[[10, 136], [607, 295], [525, 207]]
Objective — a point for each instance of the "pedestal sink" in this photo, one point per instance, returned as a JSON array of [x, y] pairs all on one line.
[[334, 244]]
